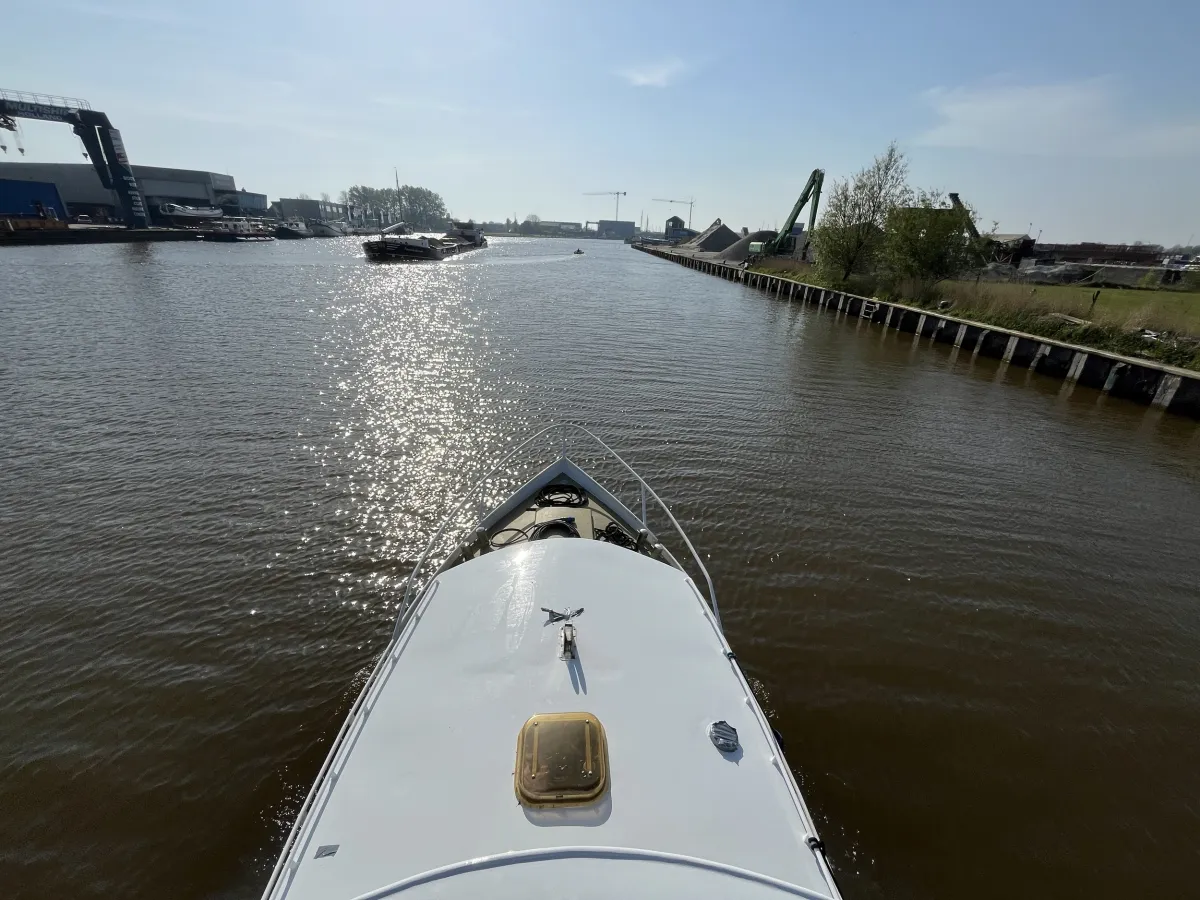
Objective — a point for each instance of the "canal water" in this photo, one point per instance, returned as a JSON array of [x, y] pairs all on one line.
[[966, 595]]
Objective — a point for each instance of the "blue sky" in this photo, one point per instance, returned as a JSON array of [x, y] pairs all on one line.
[[1078, 120]]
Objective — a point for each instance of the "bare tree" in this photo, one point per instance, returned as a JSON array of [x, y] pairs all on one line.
[[324, 197], [303, 196], [856, 213]]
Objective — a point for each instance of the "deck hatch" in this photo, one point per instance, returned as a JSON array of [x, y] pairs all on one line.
[[562, 760]]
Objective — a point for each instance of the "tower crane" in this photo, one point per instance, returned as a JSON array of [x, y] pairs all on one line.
[[617, 194], [690, 204]]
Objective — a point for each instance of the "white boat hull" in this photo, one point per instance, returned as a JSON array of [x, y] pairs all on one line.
[[325, 229]]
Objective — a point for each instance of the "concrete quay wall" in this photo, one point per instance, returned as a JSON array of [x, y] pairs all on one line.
[[1138, 380]]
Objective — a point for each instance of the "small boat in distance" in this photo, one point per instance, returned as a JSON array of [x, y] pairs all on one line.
[[558, 713], [578, 252]]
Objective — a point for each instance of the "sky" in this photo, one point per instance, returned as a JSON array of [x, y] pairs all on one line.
[[1072, 120]]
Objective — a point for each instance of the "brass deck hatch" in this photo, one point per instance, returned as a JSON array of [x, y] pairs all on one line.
[[562, 760]]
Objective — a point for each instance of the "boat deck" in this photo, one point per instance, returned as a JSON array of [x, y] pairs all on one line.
[[422, 790]]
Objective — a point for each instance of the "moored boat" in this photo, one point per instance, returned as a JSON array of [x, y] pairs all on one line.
[[237, 230], [178, 214], [326, 229], [293, 229], [557, 713]]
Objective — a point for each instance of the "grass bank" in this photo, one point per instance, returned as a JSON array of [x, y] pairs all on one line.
[[1115, 319]]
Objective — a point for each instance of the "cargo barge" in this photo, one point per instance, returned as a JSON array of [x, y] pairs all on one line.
[[395, 246]]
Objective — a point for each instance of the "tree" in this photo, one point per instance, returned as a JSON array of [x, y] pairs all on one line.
[[324, 197], [533, 218], [856, 212], [418, 206], [421, 206], [927, 242]]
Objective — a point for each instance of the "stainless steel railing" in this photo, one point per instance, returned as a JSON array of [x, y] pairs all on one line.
[[44, 99], [416, 581]]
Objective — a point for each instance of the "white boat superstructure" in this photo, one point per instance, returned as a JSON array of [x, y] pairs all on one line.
[[189, 213], [327, 229], [557, 714]]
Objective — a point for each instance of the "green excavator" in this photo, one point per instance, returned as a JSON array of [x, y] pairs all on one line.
[[785, 242]]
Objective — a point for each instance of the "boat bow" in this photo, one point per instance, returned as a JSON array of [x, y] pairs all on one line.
[[558, 703]]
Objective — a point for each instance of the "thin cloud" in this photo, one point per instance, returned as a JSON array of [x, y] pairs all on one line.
[[148, 15], [419, 103], [297, 124], [658, 75], [1079, 118]]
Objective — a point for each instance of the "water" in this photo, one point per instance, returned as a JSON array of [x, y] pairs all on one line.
[[966, 596]]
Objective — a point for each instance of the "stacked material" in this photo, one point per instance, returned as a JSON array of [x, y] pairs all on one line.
[[713, 239], [738, 251]]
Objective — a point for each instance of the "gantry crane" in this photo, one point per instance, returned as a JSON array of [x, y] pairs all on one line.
[[617, 194], [690, 204], [103, 143]]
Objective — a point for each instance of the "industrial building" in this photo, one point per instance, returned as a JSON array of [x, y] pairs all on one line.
[[1100, 254], [607, 228], [84, 194], [676, 230], [30, 200], [560, 227], [307, 208]]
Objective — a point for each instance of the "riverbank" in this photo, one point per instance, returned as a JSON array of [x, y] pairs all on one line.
[[1143, 381], [1162, 325]]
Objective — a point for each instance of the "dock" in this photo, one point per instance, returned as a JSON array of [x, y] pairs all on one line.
[[25, 237]]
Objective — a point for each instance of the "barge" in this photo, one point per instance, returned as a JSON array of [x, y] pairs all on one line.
[[395, 245]]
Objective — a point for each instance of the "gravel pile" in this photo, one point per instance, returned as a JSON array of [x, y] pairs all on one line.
[[713, 239], [739, 250]]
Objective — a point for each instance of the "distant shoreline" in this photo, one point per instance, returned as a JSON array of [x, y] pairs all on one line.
[[584, 237]]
